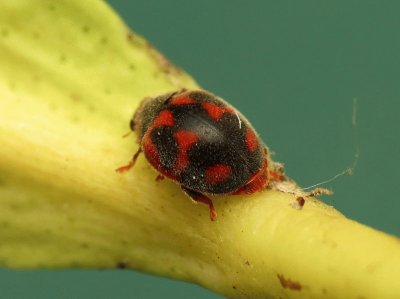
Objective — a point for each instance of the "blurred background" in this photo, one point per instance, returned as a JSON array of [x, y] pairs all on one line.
[[293, 68]]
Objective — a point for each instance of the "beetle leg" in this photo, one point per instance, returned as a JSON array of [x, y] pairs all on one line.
[[131, 162], [198, 197]]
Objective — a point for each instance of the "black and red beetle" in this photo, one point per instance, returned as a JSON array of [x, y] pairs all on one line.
[[198, 140]]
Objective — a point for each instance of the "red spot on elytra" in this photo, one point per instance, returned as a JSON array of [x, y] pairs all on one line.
[[182, 101], [164, 118], [217, 173], [151, 152], [184, 139], [216, 111], [251, 140]]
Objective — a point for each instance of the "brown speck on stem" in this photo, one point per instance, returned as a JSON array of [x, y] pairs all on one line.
[[104, 40], [288, 283], [301, 201], [298, 204], [74, 97], [4, 32], [86, 29], [159, 178], [122, 265], [130, 35]]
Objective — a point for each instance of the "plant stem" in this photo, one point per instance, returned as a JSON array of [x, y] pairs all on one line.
[[68, 89]]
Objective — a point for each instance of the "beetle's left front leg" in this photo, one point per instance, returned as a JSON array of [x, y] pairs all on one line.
[[131, 162]]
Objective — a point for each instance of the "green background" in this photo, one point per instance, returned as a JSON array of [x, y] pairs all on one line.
[[293, 68]]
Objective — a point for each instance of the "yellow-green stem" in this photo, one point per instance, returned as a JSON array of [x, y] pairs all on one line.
[[71, 76]]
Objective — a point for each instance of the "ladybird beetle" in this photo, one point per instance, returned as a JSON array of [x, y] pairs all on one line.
[[204, 144]]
